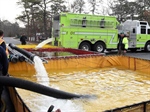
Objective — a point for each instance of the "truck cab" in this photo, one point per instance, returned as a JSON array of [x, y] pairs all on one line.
[[139, 34]]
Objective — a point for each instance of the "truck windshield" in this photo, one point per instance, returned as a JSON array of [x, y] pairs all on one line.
[[129, 25], [57, 17]]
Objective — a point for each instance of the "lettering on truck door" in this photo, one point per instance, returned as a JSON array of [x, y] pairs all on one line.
[[69, 40]]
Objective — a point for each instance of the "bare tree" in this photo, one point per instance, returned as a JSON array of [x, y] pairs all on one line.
[[35, 16], [28, 13], [95, 6], [10, 29], [58, 6], [144, 9], [78, 6]]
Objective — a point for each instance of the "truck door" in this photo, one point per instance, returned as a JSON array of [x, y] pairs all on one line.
[[142, 37], [132, 38], [148, 34]]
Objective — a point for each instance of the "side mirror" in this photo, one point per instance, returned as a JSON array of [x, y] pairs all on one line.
[[133, 31]]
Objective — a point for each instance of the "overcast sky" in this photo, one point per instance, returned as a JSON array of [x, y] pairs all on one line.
[[9, 10]]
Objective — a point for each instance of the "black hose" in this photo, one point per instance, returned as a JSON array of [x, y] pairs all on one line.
[[22, 51], [35, 87]]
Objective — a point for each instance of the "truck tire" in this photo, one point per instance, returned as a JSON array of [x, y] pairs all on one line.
[[147, 47], [99, 47], [85, 46]]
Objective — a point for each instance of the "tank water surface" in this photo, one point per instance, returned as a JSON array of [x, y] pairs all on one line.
[[114, 87]]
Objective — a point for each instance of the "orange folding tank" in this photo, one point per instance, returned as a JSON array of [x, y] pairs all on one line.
[[118, 83]]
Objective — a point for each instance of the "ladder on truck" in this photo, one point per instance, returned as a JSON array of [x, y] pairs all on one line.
[[84, 22]]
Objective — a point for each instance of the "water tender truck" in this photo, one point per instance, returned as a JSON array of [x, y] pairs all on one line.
[[98, 33]]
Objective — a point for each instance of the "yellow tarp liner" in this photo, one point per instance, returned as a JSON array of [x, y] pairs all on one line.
[[93, 61]]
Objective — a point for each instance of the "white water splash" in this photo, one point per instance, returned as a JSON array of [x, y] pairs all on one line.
[[40, 45], [43, 102], [41, 74]]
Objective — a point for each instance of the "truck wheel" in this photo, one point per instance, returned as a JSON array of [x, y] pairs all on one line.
[[99, 47], [85, 46], [147, 47]]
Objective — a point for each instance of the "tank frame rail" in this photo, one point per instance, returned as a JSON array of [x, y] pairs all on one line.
[[138, 107], [92, 23]]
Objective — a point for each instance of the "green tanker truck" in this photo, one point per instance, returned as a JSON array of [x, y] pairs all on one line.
[[98, 33]]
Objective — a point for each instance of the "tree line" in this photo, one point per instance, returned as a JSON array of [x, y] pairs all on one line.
[[37, 14], [10, 29]]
